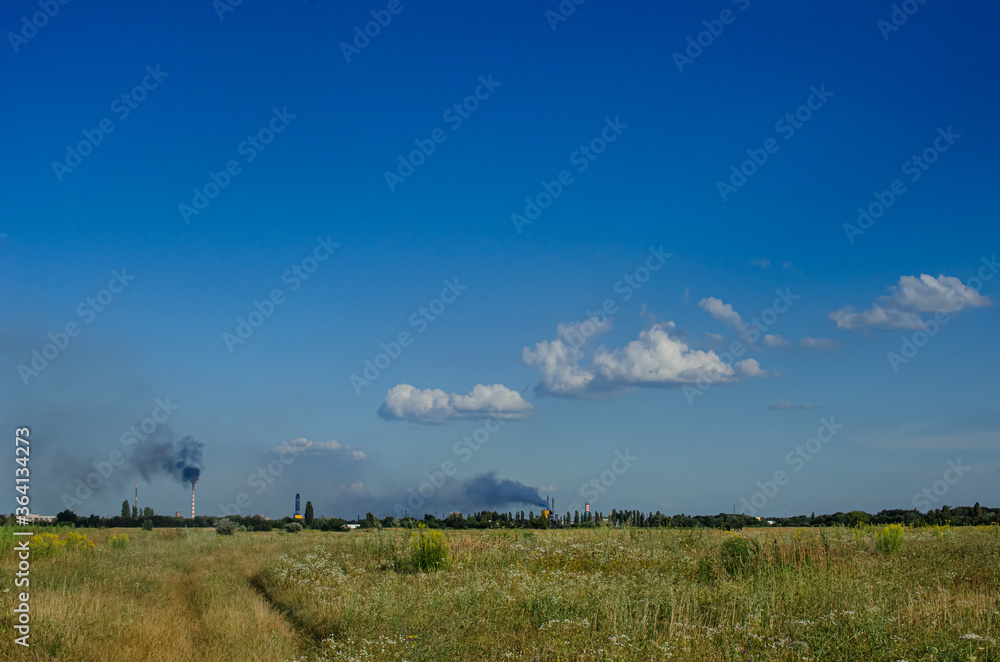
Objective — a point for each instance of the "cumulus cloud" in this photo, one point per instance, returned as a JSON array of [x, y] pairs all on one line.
[[558, 359], [722, 311], [329, 448], [775, 341], [656, 358], [750, 368], [889, 318], [432, 405], [910, 297], [817, 343], [784, 404], [944, 294]]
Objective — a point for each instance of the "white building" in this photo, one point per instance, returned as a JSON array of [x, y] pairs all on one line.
[[41, 518]]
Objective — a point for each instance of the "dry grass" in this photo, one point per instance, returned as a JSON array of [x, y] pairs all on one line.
[[601, 594], [166, 597]]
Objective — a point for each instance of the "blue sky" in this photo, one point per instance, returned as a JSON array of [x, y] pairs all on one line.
[[500, 356]]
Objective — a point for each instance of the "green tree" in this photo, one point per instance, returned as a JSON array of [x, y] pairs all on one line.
[[330, 524], [125, 509], [147, 512], [135, 512], [67, 516], [310, 515]]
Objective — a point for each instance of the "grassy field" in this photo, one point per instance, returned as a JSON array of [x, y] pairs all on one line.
[[594, 594]]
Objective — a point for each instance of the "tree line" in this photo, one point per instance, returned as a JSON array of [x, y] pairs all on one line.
[[957, 516], [485, 519]]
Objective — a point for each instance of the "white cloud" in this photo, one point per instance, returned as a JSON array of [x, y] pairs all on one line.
[[722, 311], [558, 363], [329, 448], [717, 337], [890, 318], [910, 297], [432, 405], [326, 445], [750, 368], [761, 262], [817, 343], [656, 358], [775, 341], [944, 294], [577, 334], [784, 404]]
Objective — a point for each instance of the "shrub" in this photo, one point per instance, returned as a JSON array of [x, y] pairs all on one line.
[[147, 524], [329, 524], [739, 554], [293, 527], [48, 543], [226, 527], [428, 551], [43, 544], [118, 542], [889, 539], [79, 541]]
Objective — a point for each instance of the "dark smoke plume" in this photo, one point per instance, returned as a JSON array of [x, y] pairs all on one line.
[[179, 459], [487, 490]]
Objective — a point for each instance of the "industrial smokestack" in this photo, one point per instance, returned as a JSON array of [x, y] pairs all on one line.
[[192, 500]]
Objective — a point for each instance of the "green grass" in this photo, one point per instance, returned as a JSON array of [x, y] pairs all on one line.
[[599, 594]]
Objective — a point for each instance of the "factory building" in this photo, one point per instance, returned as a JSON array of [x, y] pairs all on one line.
[[549, 512]]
